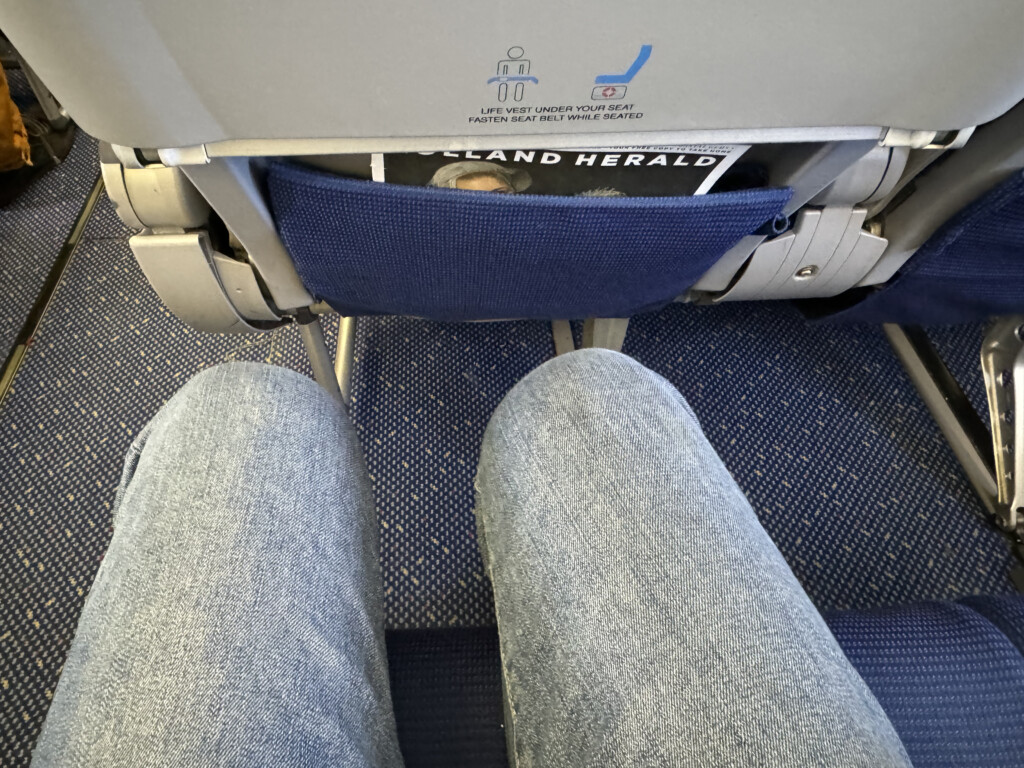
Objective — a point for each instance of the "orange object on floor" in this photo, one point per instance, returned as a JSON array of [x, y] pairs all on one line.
[[14, 147]]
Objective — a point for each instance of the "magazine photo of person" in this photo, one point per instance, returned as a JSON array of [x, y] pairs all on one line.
[[618, 172], [481, 176]]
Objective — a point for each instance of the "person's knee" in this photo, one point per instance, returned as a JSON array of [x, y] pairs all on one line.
[[598, 386], [253, 382], [240, 416], [577, 415], [258, 397], [566, 449], [247, 431]]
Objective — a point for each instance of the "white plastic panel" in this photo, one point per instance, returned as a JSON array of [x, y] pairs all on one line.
[[151, 73], [994, 153], [827, 252], [181, 270], [164, 197]]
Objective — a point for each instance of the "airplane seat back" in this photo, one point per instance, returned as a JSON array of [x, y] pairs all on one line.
[[831, 98], [956, 238]]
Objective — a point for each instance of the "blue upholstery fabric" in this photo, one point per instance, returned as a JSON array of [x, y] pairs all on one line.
[[970, 269], [369, 248], [1006, 612], [446, 690], [951, 682]]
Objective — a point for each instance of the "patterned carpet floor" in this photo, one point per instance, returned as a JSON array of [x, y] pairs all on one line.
[[818, 424], [33, 228]]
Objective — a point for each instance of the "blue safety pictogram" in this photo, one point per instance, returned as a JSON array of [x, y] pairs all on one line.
[[629, 74]]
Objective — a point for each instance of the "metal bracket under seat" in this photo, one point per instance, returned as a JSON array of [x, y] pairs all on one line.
[[993, 464], [825, 253], [196, 282], [1002, 362], [209, 290]]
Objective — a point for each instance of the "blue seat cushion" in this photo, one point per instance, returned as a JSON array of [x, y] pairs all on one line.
[[950, 676], [372, 248]]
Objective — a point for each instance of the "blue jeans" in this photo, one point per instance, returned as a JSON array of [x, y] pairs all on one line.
[[645, 617]]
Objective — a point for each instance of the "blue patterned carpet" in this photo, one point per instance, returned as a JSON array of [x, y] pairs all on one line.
[[827, 438], [830, 442], [33, 228], [422, 395]]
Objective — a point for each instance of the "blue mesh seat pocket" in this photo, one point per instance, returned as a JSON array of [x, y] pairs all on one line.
[[372, 248]]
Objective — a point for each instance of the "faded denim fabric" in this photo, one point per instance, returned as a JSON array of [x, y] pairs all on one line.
[[237, 618], [646, 619]]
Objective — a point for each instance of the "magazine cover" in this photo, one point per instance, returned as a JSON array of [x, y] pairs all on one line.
[[609, 172]]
